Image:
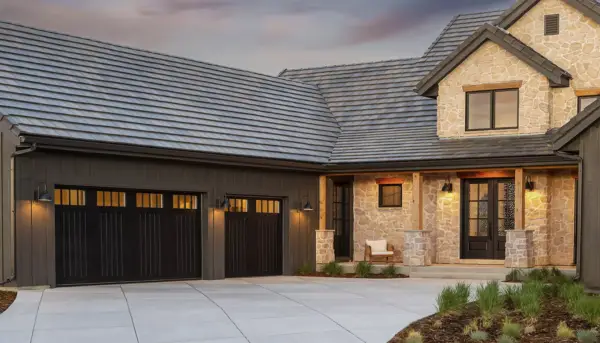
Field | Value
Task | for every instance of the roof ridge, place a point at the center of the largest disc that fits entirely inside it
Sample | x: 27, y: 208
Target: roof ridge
x: 440, y: 35
x: 482, y: 12
x: 135, y: 50
x: 282, y: 73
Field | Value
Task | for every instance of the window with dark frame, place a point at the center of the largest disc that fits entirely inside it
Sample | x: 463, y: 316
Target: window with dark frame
x: 585, y: 101
x: 69, y: 197
x: 492, y: 110
x: 390, y: 195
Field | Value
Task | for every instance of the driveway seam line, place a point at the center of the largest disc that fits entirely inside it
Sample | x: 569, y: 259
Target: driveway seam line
x: 36, y: 316
x: 130, y: 315
x: 225, y: 312
x: 312, y: 309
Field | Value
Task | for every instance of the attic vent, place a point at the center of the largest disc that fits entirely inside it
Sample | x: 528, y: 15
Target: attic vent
x: 551, y: 24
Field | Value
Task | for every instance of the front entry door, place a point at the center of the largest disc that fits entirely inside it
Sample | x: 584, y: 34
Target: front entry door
x: 488, y: 211
x: 342, y: 220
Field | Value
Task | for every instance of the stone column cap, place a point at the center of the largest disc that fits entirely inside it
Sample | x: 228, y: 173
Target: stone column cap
x: 319, y: 230
x: 417, y: 230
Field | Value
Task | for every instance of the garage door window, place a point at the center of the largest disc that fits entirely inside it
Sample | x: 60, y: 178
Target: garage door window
x: 148, y: 200
x: 69, y: 197
x: 237, y: 205
x: 267, y: 206
x: 185, y: 201
x: 110, y: 199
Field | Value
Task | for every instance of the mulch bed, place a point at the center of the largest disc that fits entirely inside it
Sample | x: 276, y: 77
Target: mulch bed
x: 353, y: 275
x: 451, y: 331
x: 6, y: 299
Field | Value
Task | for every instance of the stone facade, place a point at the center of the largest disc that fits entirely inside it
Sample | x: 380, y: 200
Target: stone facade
x: 576, y: 49
x: 519, y: 249
x: 324, y: 246
x: 537, y: 213
x: 442, y: 217
x: 417, y: 248
x: 373, y: 222
x: 562, y: 219
x: 492, y: 64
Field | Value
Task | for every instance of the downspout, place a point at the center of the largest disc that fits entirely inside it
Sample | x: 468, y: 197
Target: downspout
x: 579, y: 205
x: 21, y: 152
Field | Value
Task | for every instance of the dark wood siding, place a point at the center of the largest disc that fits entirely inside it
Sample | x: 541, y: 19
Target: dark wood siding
x: 8, y: 143
x: 590, y: 207
x: 35, y: 221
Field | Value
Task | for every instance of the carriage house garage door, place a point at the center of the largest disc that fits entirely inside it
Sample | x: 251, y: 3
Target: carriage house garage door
x: 112, y: 235
x: 253, y: 237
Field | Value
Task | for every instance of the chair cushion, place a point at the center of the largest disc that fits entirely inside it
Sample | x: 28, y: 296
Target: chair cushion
x: 377, y: 246
x: 383, y: 253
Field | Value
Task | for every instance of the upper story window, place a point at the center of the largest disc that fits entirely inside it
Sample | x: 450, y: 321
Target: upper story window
x: 493, y: 110
x: 390, y: 195
x: 551, y: 24
x: 585, y: 101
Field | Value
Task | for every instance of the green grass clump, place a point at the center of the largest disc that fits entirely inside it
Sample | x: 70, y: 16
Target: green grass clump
x: 305, y: 269
x: 516, y: 274
x: 332, y: 269
x: 414, y: 337
x: 563, y: 331
x: 479, y: 336
x: 489, y: 299
x: 453, y: 299
x: 506, y: 339
x: 588, y: 308
x: 571, y: 293
x: 587, y: 336
x: 390, y: 271
x: 542, y: 275
x: 511, y: 294
x: 528, y: 300
x: 363, y: 269
x: 511, y: 329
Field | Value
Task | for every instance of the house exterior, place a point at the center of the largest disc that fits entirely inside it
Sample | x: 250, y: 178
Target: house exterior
x: 160, y: 167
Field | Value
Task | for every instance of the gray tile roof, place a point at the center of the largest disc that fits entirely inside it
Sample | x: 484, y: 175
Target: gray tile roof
x: 383, y: 119
x: 62, y: 86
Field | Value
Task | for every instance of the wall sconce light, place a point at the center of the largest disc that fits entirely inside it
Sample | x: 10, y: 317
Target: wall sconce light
x: 529, y: 185
x: 447, y: 187
x: 42, y: 195
x: 223, y: 204
x: 307, y: 206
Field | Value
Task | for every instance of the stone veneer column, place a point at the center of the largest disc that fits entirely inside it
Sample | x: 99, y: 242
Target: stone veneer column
x: 417, y: 248
x: 324, y: 246
x: 519, y: 249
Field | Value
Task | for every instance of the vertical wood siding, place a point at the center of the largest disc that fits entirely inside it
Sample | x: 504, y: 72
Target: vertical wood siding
x: 35, y: 221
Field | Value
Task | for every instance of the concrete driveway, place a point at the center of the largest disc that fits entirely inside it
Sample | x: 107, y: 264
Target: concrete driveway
x: 265, y: 310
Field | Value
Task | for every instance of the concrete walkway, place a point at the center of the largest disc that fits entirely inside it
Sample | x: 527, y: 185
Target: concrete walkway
x: 257, y: 310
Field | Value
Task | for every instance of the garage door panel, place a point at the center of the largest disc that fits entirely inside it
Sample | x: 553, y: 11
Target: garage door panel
x: 71, y: 244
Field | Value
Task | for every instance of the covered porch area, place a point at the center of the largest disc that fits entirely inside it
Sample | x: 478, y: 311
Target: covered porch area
x: 496, y: 218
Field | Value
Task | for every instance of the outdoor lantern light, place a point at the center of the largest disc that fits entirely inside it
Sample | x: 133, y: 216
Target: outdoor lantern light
x: 447, y: 186
x: 529, y: 185
x: 225, y: 203
x: 307, y: 206
x: 43, y: 195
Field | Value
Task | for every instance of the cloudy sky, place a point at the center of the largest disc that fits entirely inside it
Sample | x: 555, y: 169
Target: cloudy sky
x: 260, y: 35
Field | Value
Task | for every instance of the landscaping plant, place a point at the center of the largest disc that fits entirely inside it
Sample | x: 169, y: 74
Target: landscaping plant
x: 563, y: 331
x: 511, y: 294
x: 515, y: 275
x: 571, y: 293
x: 390, y: 271
x: 479, y: 336
x: 588, y: 308
x: 529, y: 329
x: 453, y: 299
x: 414, y: 337
x: 489, y: 299
x: 332, y: 269
x: 511, y: 329
x: 529, y: 299
x: 363, y: 269
x: 463, y: 292
x: 506, y: 339
x: 587, y: 336
x: 305, y: 269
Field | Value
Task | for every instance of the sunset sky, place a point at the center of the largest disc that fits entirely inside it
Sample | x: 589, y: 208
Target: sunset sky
x: 260, y: 35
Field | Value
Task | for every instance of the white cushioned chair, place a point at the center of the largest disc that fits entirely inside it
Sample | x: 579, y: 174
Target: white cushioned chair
x: 378, y: 248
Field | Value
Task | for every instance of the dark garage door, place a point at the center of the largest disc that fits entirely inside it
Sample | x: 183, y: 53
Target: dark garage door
x: 253, y: 237
x: 108, y: 235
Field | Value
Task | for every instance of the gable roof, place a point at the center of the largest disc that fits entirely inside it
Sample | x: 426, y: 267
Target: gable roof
x: 578, y: 124
x: 589, y: 8
x: 57, y: 85
x: 557, y: 76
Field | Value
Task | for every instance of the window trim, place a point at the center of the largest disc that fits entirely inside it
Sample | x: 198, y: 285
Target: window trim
x: 492, y: 93
x: 597, y: 96
x: 380, y: 195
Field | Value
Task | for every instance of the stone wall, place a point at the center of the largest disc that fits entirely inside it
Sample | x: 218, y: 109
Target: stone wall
x: 537, y: 216
x: 373, y: 222
x: 492, y: 64
x: 442, y: 218
x: 417, y: 248
x: 562, y: 219
x: 519, y: 249
x: 576, y: 49
x: 324, y: 246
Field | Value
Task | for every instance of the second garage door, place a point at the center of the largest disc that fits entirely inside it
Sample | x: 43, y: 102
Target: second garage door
x: 111, y: 235
x: 253, y: 237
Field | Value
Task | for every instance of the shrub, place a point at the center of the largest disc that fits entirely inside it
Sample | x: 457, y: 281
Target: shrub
x: 332, y: 269
x: 511, y: 294
x: 390, y: 271
x: 471, y: 327
x: 488, y: 298
x: 528, y: 299
x: 453, y: 299
x: 463, y: 292
x: 506, y: 339
x: 563, y: 331
x: 588, y: 308
x: 587, y: 336
x: 305, y: 269
x: 516, y: 274
x: 414, y: 337
x: 511, y: 329
x: 479, y: 336
x: 571, y: 293
x: 363, y: 269
x: 487, y: 321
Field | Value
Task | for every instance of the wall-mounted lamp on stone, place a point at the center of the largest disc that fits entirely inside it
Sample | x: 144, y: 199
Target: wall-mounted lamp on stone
x: 447, y: 186
x: 529, y: 185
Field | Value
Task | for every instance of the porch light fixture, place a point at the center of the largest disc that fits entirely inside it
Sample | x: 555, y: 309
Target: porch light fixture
x: 307, y: 206
x: 224, y: 204
x: 447, y: 187
x: 42, y: 195
x: 529, y: 185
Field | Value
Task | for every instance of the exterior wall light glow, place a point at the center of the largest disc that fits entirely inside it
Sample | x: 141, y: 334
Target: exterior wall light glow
x: 529, y: 185
x: 307, y: 206
x: 447, y: 186
x: 42, y: 195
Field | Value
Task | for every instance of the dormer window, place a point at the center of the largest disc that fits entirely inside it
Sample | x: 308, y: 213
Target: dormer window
x: 492, y: 110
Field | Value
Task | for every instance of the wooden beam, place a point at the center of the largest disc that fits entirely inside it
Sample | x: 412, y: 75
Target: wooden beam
x: 390, y: 181
x: 492, y: 86
x: 486, y: 174
x: 417, y: 202
x: 587, y: 91
x: 519, y: 199
x: 442, y: 171
x: 322, y: 202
